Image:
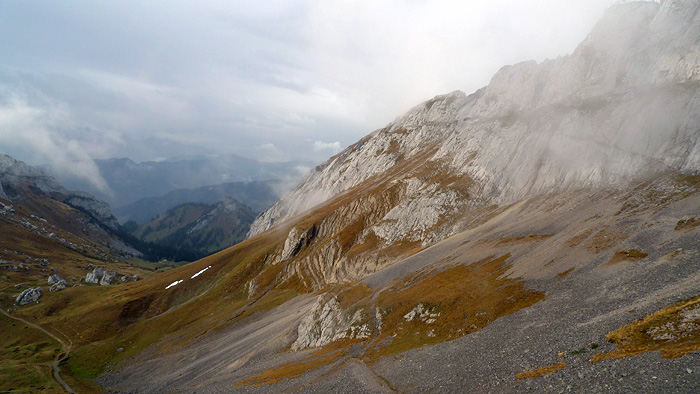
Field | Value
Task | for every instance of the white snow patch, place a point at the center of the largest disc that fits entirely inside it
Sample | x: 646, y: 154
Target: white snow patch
x: 177, y: 282
x: 200, y: 272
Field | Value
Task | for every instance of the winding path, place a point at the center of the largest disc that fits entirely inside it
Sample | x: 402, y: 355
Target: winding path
x: 62, y: 356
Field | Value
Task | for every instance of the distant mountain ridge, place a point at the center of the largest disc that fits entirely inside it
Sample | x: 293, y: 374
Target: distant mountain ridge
x: 74, y: 212
x: 258, y: 195
x: 18, y: 180
x: 130, y: 181
x: 199, y: 228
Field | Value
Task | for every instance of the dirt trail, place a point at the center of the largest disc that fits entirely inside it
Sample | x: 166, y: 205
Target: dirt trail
x: 62, y: 356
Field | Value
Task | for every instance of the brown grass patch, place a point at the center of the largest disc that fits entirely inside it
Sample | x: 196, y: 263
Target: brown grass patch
x: 536, y: 373
x: 351, y: 295
x: 605, y: 239
x: 673, y: 331
x: 576, y: 240
x: 625, y: 256
x: 320, y: 358
x: 687, y: 224
x: 461, y: 300
x: 565, y: 273
x: 371, y: 243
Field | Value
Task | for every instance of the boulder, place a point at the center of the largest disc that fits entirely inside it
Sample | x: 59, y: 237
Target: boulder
x: 95, y: 276
x: 28, y: 296
x: 53, y: 279
x: 60, y: 285
x: 108, y: 278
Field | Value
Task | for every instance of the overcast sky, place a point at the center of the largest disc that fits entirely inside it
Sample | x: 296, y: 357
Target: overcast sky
x: 271, y: 80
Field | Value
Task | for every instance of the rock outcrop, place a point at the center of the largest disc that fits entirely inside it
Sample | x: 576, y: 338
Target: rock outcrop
x: 60, y: 285
x: 28, y: 296
x: 108, y: 278
x: 328, y: 322
x: 623, y: 105
x: 101, y: 276
x: 56, y: 283
x: 95, y: 276
x: 295, y: 242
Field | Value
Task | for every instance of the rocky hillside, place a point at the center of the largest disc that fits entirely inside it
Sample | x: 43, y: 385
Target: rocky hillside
x: 559, y: 125
x: 538, y: 235
x: 199, y: 228
x: 623, y: 106
x: 40, y: 193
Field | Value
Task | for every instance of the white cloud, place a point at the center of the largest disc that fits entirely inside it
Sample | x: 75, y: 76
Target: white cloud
x: 332, y: 146
x: 232, y: 76
x: 270, y: 152
x: 26, y: 127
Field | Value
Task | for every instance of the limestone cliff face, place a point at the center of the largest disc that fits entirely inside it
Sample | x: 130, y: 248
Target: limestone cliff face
x: 625, y: 103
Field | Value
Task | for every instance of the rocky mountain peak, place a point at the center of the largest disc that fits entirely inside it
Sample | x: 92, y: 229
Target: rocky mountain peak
x: 15, y: 175
x: 624, y: 105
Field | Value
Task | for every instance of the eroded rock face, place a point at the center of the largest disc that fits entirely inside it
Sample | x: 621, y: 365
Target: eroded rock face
x: 625, y: 104
x: 295, y: 242
x: 28, y: 296
x: 101, y: 276
x: 108, y: 278
x: 328, y: 322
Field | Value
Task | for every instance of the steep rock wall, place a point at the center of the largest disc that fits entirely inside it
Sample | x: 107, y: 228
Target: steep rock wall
x: 625, y: 103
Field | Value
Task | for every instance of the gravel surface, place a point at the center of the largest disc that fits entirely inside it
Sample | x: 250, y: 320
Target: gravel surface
x: 578, y: 311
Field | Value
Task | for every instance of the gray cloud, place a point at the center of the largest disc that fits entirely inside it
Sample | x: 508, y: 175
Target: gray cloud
x: 35, y: 130
x: 231, y: 77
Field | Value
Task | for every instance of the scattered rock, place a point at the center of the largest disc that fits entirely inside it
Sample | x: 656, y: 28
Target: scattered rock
x: 101, y: 276
x: 60, y: 285
x: 28, y: 296
x: 108, y: 278
x: 421, y: 313
x: 95, y: 276
x: 53, y: 279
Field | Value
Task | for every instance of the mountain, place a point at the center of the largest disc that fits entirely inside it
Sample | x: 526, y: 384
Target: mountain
x: 41, y: 195
x: 258, y: 195
x: 199, y: 228
x: 129, y: 181
x: 536, y: 128
x: 540, y: 234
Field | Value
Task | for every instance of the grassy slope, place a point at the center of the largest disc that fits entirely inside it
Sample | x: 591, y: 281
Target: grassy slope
x: 27, y: 353
x: 101, y: 320
x: 134, y: 316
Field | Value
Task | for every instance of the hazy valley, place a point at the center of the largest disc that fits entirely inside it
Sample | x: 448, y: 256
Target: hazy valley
x: 540, y: 234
